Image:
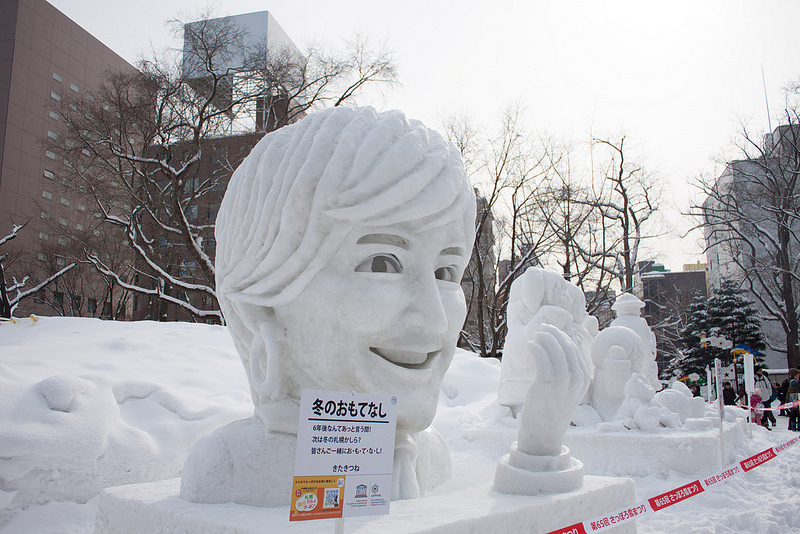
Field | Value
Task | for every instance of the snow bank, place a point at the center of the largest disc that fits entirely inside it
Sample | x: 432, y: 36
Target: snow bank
x: 89, y: 404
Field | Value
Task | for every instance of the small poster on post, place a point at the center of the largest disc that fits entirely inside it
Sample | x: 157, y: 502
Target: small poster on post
x: 345, y: 449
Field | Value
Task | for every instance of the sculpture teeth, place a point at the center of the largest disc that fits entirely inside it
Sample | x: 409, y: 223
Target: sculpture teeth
x: 404, y: 358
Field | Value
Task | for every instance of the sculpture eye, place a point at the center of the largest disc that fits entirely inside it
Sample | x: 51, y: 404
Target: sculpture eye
x: 447, y: 274
x: 380, y: 263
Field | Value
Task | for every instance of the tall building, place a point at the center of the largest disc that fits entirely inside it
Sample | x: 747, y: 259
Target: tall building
x: 44, y: 56
x: 53, y: 63
x: 249, y: 101
x: 752, y: 220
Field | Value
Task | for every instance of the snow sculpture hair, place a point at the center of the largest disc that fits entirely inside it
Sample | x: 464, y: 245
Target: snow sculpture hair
x: 293, y: 200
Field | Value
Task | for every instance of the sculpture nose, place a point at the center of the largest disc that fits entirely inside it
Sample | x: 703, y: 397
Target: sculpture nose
x: 426, y: 308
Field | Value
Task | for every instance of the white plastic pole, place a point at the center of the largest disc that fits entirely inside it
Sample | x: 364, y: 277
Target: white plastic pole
x: 749, y: 384
x: 339, y: 526
x: 717, y: 371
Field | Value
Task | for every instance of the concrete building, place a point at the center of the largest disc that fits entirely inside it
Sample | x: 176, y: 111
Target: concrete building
x: 747, y: 238
x: 44, y: 56
x: 667, y: 296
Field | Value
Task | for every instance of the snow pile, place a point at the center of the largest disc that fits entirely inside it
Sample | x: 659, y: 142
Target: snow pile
x: 86, y: 404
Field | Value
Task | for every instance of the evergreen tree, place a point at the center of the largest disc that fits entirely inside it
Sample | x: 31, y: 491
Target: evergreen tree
x: 735, y: 317
x: 727, y: 314
x: 694, y: 356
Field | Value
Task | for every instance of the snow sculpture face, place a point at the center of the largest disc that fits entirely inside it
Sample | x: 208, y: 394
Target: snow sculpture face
x: 340, y: 247
x: 387, y: 310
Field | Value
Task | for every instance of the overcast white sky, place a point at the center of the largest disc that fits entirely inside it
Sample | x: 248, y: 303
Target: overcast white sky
x: 677, y: 77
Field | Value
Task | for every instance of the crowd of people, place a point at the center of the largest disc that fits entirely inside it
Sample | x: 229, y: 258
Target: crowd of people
x: 764, y: 394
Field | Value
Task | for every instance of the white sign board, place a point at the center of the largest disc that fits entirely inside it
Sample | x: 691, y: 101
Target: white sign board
x: 345, y: 448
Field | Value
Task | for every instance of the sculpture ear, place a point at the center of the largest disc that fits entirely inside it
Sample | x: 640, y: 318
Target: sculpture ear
x: 252, y: 330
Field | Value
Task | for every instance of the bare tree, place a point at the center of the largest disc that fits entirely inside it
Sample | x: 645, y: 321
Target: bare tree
x: 13, y: 293
x: 751, y: 219
x: 507, y: 171
x: 152, y: 150
x: 582, y: 243
x: 626, y: 202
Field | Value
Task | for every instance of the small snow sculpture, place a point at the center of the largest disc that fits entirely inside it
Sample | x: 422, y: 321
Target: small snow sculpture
x: 623, y: 350
x: 548, y: 326
x: 341, y: 243
x: 628, y: 309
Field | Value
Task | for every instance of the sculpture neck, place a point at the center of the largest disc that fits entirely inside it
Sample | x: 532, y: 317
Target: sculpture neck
x: 279, y: 416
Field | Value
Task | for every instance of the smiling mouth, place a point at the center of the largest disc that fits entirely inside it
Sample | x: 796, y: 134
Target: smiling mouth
x: 406, y: 358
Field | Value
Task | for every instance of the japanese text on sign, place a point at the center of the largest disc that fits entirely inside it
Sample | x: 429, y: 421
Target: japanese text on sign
x: 351, y: 436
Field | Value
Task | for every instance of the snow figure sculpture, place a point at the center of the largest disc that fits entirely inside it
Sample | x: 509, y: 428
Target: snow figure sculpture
x: 545, y: 374
x: 341, y: 242
x: 628, y: 309
x: 625, y: 374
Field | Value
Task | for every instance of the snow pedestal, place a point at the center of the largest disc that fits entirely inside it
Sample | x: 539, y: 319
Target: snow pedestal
x: 632, y: 453
x: 155, y: 507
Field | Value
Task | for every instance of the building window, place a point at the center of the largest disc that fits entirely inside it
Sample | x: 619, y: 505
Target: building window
x: 47, y: 194
x: 51, y: 134
x: 53, y: 115
x: 89, y: 97
x: 58, y: 299
x: 57, y: 77
x: 63, y: 221
x: 38, y: 297
x: 79, y: 227
x: 48, y: 174
x: 45, y: 215
x: 74, y: 87
x: 55, y: 96
x: 91, y: 305
x: 50, y: 154
x: 44, y: 236
x: 61, y: 261
x: 65, y: 201
x: 76, y: 303
x: 81, y: 207
x: 62, y: 241
x: 42, y: 256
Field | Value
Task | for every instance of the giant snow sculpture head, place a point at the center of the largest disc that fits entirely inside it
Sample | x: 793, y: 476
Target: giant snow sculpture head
x: 341, y: 242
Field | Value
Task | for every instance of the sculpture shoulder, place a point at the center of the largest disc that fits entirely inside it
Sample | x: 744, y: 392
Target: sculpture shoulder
x: 240, y: 462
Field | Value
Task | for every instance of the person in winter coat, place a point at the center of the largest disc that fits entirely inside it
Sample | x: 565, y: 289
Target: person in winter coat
x: 763, y: 388
x: 728, y: 394
x: 782, y: 396
x: 793, y: 394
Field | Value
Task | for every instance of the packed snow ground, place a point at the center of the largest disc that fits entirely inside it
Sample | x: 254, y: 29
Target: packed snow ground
x: 86, y: 404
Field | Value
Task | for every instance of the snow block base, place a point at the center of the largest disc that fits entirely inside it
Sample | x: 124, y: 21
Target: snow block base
x: 155, y: 508
x: 647, y: 453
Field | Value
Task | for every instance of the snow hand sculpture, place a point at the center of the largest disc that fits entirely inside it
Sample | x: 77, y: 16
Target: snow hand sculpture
x: 341, y: 242
x: 539, y: 297
x: 538, y: 463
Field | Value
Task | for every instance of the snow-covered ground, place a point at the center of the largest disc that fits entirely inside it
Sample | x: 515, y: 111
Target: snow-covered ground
x: 86, y: 404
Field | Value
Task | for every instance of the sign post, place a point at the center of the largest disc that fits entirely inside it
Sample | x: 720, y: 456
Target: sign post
x: 718, y: 375
x: 345, y: 448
